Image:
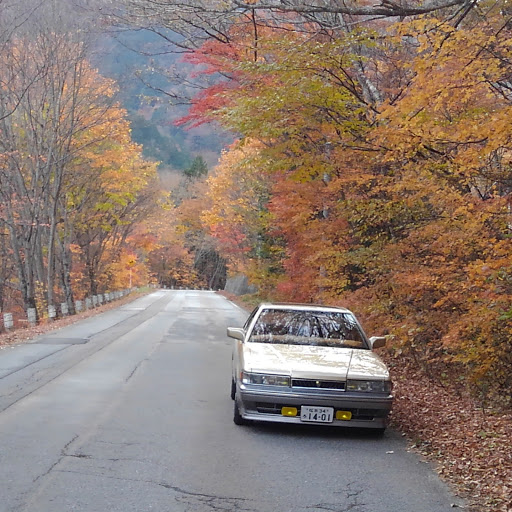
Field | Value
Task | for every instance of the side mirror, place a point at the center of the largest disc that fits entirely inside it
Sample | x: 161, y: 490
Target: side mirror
x: 378, y: 341
x: 236, y: 332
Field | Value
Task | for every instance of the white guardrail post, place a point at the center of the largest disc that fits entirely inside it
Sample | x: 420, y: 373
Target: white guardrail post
x: 80, y: 305
x: 8, y: 321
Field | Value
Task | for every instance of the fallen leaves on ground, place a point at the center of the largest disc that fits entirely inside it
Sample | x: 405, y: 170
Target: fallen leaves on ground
x: 470, y: 445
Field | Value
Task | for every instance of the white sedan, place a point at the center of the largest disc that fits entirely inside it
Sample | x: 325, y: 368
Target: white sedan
x: 302, y: 363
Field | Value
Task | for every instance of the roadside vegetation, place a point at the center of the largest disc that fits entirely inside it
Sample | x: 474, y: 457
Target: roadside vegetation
x: 82, y: 211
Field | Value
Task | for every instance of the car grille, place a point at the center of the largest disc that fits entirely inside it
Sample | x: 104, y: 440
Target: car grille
x: 318, y: 384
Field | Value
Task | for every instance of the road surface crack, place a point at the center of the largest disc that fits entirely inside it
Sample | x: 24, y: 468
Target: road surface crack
x: 62, y: 455
x: 218, y: 503
x: 350, y: 502
x: 193, y: 499
x: 137, y: 366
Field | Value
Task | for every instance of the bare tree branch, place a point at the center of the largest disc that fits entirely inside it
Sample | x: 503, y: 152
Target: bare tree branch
x: 385, y: 8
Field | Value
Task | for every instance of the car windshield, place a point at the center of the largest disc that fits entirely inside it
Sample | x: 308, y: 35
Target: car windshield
x: 313, y: 328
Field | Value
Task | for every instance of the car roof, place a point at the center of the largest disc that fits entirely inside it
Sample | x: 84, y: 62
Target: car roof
x: 290, y: 306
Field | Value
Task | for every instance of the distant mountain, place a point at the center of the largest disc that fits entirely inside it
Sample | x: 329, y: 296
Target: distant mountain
x: 134, y: 58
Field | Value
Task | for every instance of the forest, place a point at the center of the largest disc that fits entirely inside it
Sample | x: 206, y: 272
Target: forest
x: 82, y: 210
x: 134, y: 59
x: 371, y: 165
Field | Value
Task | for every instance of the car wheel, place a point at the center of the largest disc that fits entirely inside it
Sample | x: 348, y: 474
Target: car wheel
x: 233, y: 389
x: 237, y: 418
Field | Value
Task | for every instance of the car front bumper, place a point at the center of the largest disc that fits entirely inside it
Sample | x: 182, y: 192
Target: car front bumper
x: 264, y: 403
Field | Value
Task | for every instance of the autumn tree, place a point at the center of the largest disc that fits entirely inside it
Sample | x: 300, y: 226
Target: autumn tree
x: 209, y: 266
x: 56, y: 112
x: 113, y: 190
x: 237, y: 215
x: 450, y: 131
x: 171, y: 262
x: 301, y: 102
x: 44, y: 75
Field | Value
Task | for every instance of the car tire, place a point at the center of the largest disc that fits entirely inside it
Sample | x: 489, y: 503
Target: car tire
x: 233, y: 389
x: 237, y: 418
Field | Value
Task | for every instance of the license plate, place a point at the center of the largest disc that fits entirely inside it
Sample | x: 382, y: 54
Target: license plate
x: 317, y: 414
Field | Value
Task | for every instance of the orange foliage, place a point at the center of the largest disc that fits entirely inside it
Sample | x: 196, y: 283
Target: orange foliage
x: 236, y: 213
x: 396, y: 204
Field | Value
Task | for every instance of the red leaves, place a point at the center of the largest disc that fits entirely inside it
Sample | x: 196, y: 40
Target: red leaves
x: 206, y: 104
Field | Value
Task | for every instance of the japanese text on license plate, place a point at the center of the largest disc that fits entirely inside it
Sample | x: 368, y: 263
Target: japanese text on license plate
x: 316, y: 414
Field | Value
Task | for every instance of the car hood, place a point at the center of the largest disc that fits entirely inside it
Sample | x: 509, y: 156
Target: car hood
x: 299, y: 361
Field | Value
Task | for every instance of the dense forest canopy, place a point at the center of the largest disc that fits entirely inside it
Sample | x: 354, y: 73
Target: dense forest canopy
x: 77, y: 195
x: 366, y: 162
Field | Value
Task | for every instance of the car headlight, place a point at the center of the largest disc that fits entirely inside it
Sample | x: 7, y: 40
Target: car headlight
x: 369, y: 386
x: 264, y: 379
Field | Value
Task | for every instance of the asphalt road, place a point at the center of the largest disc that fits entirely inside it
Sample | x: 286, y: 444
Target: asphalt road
x: 130, y: 411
